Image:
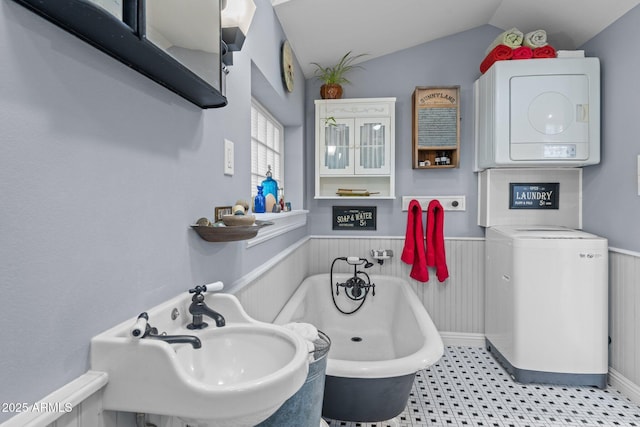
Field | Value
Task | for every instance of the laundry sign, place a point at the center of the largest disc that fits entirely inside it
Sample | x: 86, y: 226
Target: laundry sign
x: 534, y: 195
x: 354, y: 217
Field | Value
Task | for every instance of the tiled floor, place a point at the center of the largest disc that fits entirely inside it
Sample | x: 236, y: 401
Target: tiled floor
x: 467, y: 387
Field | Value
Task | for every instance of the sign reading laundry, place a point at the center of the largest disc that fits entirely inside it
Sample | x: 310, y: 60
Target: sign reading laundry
x: 534, y: 195
x: 354, y: 217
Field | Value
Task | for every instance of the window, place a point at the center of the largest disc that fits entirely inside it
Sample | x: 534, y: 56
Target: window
x: 266, y: 147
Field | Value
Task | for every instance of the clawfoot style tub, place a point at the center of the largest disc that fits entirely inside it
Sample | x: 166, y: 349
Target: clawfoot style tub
x: 375, y: 352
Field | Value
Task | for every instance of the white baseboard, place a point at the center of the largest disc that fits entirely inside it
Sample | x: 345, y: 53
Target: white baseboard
x: 624, y: 386
x: 462, y: 339
x: 62, y: 402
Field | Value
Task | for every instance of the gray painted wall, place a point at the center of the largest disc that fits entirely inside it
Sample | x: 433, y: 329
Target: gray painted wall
x: 610, y: 189
x: 101, y: 172
x: 449, y: 61
x: 611, y: 201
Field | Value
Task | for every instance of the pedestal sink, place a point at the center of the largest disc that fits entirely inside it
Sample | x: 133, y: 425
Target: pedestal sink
x: 241, y: 375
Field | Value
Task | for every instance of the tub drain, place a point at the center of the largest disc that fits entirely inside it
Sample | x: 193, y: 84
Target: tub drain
x: 356, y: 339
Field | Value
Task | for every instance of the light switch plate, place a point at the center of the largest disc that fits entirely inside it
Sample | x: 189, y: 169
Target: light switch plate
x: 228, y: 157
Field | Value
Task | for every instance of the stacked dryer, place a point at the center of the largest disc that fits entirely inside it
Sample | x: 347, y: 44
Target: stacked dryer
x: 537, y: 123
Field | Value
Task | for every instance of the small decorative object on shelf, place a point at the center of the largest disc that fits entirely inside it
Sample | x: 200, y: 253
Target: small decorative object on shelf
x: 281, y: 202
x: 259, y: 204
x: 238, y: 210
x: 220, y: 211
x: 203, y: 221
x: 443, y: 158
x: 236, y: 220
x: 270, y: 185
x: 348, y: 192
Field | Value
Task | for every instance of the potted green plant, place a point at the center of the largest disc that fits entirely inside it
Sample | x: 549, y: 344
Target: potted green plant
x: 334, y: 77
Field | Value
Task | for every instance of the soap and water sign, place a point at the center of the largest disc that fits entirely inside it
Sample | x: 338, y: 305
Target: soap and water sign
x: 534, y: 195
x: 354, y: 218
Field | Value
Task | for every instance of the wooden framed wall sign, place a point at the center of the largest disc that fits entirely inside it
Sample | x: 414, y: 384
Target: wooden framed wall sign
x: 436, y: 127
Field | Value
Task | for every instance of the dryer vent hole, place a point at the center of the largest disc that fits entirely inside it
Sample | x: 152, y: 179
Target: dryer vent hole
x: 356, y: 339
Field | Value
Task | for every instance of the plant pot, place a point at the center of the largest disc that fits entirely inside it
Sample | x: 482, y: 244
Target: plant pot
x: 331, y: 91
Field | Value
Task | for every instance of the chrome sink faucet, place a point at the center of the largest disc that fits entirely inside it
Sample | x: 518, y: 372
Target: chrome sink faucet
x: 198, y: 308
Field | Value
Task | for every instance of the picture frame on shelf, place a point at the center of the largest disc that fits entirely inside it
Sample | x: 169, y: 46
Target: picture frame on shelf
x: 220, y: 211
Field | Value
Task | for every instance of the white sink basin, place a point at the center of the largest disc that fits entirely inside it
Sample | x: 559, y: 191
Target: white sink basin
x: 241, y: 375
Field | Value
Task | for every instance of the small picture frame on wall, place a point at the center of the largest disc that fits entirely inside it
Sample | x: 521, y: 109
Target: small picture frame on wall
x: 220, y: 211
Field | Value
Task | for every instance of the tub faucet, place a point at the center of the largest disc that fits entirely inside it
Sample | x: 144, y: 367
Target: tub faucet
x: 198, y: 308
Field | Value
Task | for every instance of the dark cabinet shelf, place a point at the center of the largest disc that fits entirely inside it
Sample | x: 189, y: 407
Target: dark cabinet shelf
x: 128, y: 45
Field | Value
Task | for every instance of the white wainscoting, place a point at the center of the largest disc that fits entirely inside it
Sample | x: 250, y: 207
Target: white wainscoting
x: 624, y: 319
x: 77, y: 404
x: 267, y: 292
x: 456, y: 306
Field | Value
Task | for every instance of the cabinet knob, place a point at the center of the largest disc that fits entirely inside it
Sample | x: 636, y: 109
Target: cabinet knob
x: 454, y: 203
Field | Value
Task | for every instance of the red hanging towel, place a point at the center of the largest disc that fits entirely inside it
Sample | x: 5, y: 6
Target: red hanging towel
x: 413, y: 251
x: 435, y: 255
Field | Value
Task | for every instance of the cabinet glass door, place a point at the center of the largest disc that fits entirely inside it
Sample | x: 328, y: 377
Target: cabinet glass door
x: 373, y: 151
x: 336, y: 147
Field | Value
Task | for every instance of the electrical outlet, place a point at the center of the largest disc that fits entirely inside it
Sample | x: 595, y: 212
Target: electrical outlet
x: 449, y: 203
x: 228, y: 157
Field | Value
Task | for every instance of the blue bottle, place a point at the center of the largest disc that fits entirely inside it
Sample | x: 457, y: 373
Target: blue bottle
x: 259, y: 201
x: 270, y: 185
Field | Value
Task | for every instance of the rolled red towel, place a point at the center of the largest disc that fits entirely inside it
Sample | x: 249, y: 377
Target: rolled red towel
x: 522, y: 52
x: 498, y: 53
x: 544, y: 52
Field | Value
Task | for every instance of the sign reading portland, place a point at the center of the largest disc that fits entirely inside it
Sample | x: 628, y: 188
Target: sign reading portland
x: 534, y: 195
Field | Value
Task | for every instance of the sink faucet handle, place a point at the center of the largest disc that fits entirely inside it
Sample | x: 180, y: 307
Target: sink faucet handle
x: 215, y: 286
x: 139, y: 328
x: 211, y: 287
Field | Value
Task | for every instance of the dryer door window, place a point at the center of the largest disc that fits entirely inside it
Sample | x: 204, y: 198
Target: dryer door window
x: 549, y: 117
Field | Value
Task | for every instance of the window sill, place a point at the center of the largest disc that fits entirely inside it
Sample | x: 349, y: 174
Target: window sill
x: 282, y: 223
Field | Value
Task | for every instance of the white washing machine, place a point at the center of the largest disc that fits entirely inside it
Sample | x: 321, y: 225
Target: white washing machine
x: 546, y: 303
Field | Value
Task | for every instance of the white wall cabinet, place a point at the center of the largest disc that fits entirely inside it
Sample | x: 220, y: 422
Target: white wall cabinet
x: 355, y: 147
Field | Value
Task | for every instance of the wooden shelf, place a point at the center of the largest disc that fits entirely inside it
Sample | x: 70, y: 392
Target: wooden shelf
x: 428, y: 155
x: 229, y: 234
x: 436, y: 127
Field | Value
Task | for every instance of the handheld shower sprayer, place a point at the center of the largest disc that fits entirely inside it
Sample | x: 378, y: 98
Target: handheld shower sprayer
x: 354, y: 260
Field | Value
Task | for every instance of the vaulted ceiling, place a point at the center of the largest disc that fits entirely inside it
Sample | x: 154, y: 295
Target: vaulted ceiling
x: 324, y: 30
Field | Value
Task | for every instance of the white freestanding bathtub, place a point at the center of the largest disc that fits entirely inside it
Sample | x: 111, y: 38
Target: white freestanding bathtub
x: 375, y: 352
